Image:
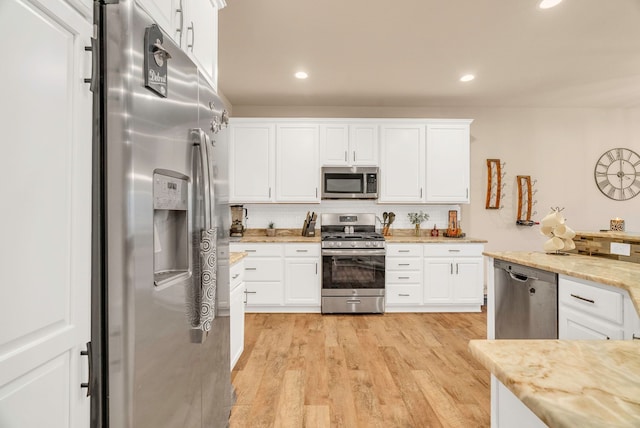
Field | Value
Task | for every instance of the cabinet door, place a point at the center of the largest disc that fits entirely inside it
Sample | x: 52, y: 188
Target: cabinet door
x: 236, y: 323
x: 46, y: 233
x: 363, y: 144
x: 574, y: 325
x: 201, y: 35
x: 438, y: 274
x: 468, y: 280
x: 334, y: 144
x: 447, y: 164
x: 167, y: 14
x: 298, y: 172
x: 263, y: 294
x: 401, y: 163
x: 302, y: 281
x: 251, y: 163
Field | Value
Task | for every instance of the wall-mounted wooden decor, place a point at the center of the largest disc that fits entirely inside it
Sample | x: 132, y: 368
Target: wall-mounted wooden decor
x: 494, y: 184
x: 525, y: 200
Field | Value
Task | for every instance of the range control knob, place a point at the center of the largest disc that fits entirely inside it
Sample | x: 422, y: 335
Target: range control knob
x: 367, y: 244
x: 353, y: 244
x: 339, y: 244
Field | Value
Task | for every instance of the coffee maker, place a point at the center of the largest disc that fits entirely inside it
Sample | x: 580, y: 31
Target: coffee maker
x: 237, y: 214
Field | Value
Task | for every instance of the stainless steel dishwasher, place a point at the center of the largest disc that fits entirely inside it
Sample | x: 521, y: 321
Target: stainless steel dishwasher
x: 526, y: 302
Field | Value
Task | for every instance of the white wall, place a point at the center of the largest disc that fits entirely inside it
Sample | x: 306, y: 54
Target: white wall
x: 556, y: 147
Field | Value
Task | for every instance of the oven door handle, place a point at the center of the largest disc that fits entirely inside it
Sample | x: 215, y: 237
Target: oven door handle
x: 353, y: 252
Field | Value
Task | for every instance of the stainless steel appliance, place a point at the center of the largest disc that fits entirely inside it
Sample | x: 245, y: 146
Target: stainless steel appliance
x: 160, y: 341
x: 526, y: 302
x: 349, y: 182
x: 238, y: 214
x: 353, y: 264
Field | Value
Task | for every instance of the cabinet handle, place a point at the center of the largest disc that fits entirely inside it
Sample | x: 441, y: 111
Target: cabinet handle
x: 316, y: 268
x: 301, y: 251
x: 250, y: 268
x: 403, y: 295
x: 421, y: 193
x: 451, y: 268
x: 92, y: 81
x: 353, y: 301
x: 454, y: 251
x: 467, y: 193
x: 269, y: 192
x: 88, y: 384
x: 456, y: 268
x: 235, y: 276
x: 403, y: 264
x: 193, y: 36
x: 634, y: 337
x: 249, y: 251
x: 345, y: 155
x: 583, y: 299
x: 316, y: 192
x: 403, y: 277
x: 250, y: 292
x: 403, y: 251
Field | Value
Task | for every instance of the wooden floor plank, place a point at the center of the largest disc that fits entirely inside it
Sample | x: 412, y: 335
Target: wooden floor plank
x: 391, y: 370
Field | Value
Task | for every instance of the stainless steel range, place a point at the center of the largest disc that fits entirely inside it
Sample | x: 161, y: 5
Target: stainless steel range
x: 353, y: 262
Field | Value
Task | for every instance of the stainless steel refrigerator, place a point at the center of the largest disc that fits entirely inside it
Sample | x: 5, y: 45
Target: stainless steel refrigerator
x: 160, y: 324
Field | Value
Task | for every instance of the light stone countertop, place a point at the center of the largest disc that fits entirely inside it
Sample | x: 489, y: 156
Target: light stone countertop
x: 569, y: 383
x: 432, y: 240
x: 624, y: 275
x: 235, y: 257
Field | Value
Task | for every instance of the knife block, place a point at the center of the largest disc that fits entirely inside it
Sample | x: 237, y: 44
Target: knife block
x: 311, y: 229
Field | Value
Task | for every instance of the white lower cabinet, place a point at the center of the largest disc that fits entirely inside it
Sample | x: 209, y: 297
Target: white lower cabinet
x: 403, y: 276
x: 302, y: 275
x: 262, y: 275
x: 281, y: 277
x: 236, y: 312
x: 589, y: 310
x: 428, y: 278
x: 507, y: 411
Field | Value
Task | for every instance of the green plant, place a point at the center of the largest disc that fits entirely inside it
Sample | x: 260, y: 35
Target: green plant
x: 417, y: 218
x: 271, y: 225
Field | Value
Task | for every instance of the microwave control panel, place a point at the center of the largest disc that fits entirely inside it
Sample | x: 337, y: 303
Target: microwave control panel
x: 372, y: 183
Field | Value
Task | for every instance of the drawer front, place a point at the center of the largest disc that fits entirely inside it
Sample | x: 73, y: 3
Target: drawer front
x: 237, y: 274
x: 590, y: 299
x: 404, y: 250
x: 258, y: 250
x: 264, y: 294
x: 402, y: 263
x: 404, y: 294
x: 262, y: 269
x: 302, y: 250
x: 453, y: 250
x: 407, y: 277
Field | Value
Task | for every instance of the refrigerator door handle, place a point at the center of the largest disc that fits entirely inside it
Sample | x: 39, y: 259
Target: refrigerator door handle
x: 204, y: 284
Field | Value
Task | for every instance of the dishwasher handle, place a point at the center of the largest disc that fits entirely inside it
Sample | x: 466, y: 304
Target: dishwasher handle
x: 520, y: 277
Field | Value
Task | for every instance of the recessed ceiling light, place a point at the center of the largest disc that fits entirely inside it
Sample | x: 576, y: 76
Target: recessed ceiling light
x: 301, y: 75
x: 467, y: 78
x: 547, y: 4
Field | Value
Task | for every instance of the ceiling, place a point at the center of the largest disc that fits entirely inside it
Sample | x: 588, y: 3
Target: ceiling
x: 582, y: 53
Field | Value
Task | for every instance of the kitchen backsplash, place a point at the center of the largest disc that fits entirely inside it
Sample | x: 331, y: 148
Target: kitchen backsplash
x: 293, y: 215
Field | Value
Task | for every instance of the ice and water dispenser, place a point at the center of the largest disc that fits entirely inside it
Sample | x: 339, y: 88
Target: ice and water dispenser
x: 170, y: 226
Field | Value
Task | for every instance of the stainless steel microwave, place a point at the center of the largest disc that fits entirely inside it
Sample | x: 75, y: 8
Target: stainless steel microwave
x: 346, y: 182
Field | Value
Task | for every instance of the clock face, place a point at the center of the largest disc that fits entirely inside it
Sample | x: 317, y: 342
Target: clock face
x: 617, y: 174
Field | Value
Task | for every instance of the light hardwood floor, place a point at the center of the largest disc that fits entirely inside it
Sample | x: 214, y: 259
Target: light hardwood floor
x: 391, y: 370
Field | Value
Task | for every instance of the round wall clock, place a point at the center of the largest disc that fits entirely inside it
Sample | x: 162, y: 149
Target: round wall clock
x: 617, y: 174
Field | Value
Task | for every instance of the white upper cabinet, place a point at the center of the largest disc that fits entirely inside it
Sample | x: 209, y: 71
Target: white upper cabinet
x: 193, y: 24
x: 298, y: 173
x: 401, y: 163
x: 447, y: 164
x: 252, y: 162
x: 349, y: 144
